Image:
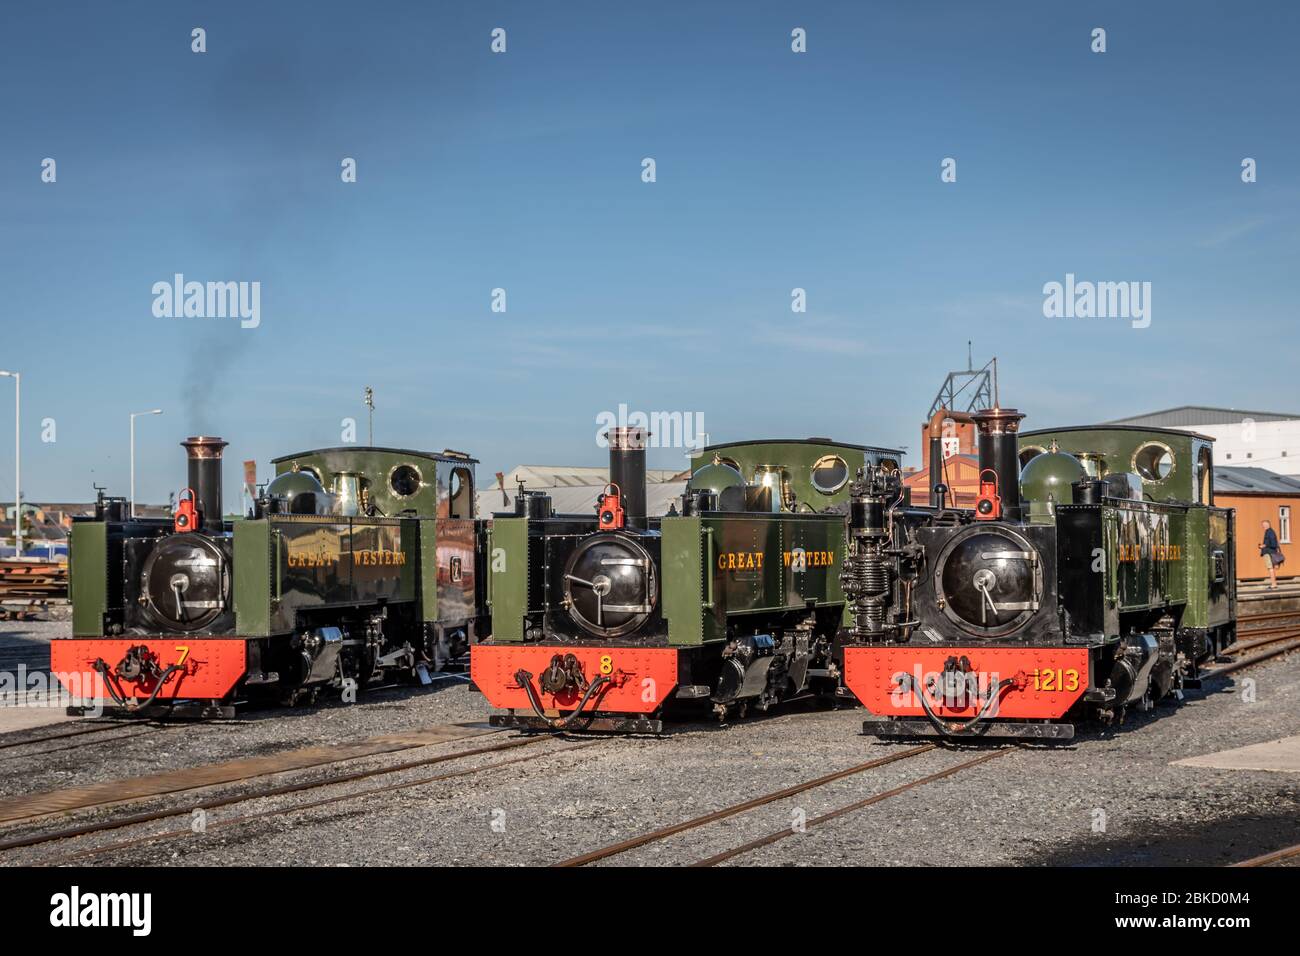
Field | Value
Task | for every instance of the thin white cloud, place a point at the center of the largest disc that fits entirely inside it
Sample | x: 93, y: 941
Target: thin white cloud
x: 1233, y: 232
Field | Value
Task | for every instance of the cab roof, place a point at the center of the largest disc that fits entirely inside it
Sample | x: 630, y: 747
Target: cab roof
x: 445, y: 455
x: 804, y: 441
x: 1143, y: 429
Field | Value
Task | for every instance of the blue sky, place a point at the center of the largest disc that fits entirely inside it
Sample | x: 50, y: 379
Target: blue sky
x: 522, y: 171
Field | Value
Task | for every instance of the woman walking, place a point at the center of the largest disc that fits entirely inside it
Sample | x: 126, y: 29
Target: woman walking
x: 1271, y: 551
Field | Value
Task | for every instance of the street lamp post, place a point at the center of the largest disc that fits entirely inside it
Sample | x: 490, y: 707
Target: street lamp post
x: 134, y: 415
x: 18, y: 462
x: 370, y: 404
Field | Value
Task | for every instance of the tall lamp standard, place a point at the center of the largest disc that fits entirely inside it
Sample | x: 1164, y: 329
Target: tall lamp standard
x: 370, y: 404
x: 134, y: 415
x: 18, y: 462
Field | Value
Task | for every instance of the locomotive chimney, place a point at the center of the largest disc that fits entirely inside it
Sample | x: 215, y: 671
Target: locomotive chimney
x: 936, y: 470
x: 204, y: 478
x: 627, y: 470
x: 997, y: 446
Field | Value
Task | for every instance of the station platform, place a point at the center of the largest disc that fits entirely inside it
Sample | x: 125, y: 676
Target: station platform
x: 1280, y: 756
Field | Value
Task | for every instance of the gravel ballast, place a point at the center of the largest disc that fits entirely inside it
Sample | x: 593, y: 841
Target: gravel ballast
x: 1106, y: 798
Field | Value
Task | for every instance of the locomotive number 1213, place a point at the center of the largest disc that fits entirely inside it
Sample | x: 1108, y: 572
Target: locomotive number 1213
x: 1048, y: 679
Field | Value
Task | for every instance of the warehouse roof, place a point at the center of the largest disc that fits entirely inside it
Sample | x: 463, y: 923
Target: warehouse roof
x: 575, y: 476
x: 1254, y: 481
x: 573, y: 488
x: 1184, y: 416
x: 802, y: 441
x: 579, y: 499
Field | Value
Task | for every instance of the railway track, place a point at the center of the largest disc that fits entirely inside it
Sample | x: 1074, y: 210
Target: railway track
x: 1280, y: 640
x: 1268, y: 859
x: 1263, y: 639
x: 848, y: 808
x: 1265, y: 643
x: 1268, y: 616
x: 69, y: 833
x: 78, y: 732
x: 1268, y: 631
x: 24, y: 809
x: 132, y: 733
x: 1276, y: 646
x: 46, y: 837
x: 242, y: 819
x: 80, y: 737
x: 664, y: 833
x: 1283, y: 641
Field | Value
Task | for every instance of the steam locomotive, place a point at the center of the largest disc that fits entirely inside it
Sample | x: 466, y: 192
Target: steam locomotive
x: 380, y: 577
x: 1097, y: 579
x: 609, y: 621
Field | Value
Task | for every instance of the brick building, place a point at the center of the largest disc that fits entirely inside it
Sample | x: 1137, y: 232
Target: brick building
x: 960, y: 463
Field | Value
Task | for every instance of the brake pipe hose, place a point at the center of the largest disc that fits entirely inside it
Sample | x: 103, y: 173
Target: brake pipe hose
x: 525, y: 680
x: 120, y: 698
x: 954, y: 728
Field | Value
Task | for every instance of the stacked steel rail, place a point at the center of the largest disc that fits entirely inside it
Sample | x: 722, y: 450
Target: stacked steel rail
x: 29, y: 588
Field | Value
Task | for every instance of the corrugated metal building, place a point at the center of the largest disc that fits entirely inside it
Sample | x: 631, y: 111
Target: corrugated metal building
x: 573, y: 489
x: 581, y: 499
x: 1241, y: 437
x: 1197, y: 416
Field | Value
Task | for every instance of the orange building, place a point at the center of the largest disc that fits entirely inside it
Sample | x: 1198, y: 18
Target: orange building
x: 1259, y: 495
x: 956, y: 434
x: 961, y: 473
x: 957, y: 442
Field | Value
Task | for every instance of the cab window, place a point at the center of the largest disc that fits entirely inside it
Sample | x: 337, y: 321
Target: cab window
x: 461, y: 494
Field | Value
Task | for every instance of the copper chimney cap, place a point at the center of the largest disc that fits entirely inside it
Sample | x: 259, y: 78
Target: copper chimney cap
x: 627, y: 439
x: 997, y: 421
x: 204, y: 446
